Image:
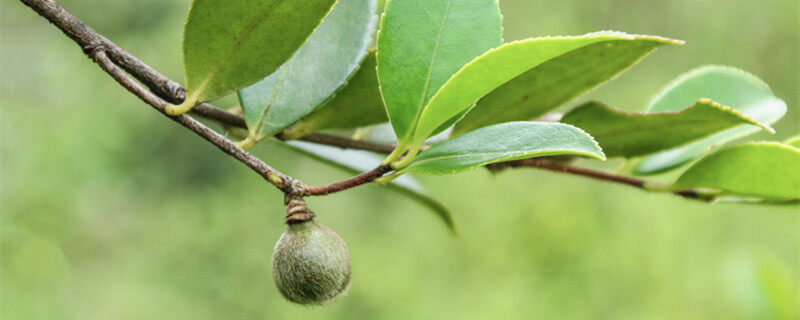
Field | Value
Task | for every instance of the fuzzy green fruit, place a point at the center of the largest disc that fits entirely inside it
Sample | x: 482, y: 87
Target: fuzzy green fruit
x: 310, y: 264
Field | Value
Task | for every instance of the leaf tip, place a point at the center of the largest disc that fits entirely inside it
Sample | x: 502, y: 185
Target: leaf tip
x: 675, y: 42
x: 598, y: 152
x: 739, y: 113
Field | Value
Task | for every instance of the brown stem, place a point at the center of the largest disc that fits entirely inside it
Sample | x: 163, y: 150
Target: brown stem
x: 353, y: 182
x: 553, y: 166
x: 345, y: 143
x: 585, y: 172
x: 208, y: 111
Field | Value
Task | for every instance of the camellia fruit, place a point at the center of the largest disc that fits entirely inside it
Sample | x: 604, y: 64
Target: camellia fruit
x: 310, y: 263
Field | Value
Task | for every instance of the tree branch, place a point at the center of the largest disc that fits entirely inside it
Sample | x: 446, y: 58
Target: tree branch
x: 116, y: 62
x: 159, y: 84
x: 86, y: 37
x: 353, y: 182
x: 275, y: 177
x: 345, y: 143
x: 589, y: 173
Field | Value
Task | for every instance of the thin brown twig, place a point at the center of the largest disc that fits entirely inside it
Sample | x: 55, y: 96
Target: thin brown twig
x: 345, y: 143
x: 554, y: 166
x: 224, y: 117
x: 585, y: 172
x: 358, y: 180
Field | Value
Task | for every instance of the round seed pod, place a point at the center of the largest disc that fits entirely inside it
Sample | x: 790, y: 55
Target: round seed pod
x: 310, y: 262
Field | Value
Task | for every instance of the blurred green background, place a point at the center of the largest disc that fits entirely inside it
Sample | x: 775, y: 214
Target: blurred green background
x: 110, y: 211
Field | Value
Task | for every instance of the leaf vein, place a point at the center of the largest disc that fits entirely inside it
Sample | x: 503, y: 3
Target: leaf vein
x: 425, y: 89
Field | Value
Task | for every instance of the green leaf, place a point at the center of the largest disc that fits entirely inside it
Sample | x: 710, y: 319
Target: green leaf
x: 319, y: 68
x: 766, y: 170
x: 725, y: 85
x: 630, y: 134
x: 793, y: 141
x: 358, y: 104
x: 355, y: 161
x: 505, y: 142
x: 498, y: 66
x: 422, y: 43
x: 228, y: 45
x: 558, y: 80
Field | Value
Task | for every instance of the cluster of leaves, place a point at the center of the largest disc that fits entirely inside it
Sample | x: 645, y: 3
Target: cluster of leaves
x: 440, y: 68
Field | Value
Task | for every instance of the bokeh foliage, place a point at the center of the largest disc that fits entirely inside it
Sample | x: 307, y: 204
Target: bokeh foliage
x: 99, y: 222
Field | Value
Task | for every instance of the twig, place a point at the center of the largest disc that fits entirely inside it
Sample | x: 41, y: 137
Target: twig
x: 346, y: 143
x: 210, y: 112
x: 599, y: 175
x: 353, y: 182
